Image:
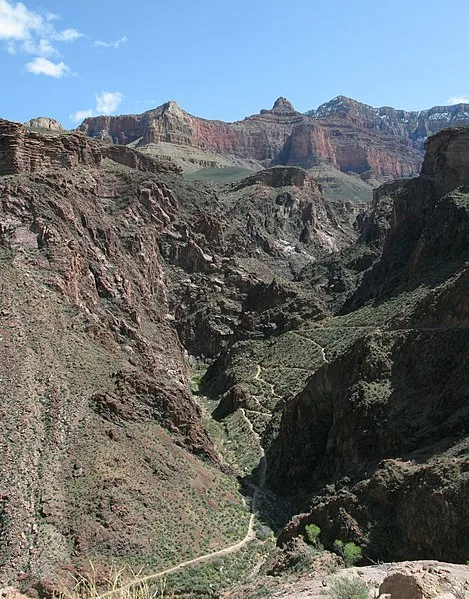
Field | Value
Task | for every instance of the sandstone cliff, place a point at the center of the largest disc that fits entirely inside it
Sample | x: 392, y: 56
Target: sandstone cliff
x: 277, y: 136
x: 375, y: 143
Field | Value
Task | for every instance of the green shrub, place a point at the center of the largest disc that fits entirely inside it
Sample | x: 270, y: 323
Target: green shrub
x: 312, y: 533
x: 350, y: 553
x: 345, y: 587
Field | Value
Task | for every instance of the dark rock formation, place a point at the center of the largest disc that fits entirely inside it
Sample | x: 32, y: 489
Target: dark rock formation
x: 400, y: 390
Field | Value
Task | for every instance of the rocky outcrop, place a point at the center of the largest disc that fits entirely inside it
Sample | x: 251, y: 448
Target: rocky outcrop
x: 423, y: 579
x: 280, y: 177
x: 44, y: 122
x: 25, y: 150
x: 446, y: 161
x: 422, y: 221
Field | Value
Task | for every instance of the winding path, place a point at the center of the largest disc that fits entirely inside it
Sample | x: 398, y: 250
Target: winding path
x: 272, y: 388
x: 250, y: 534
x: 320, y: 347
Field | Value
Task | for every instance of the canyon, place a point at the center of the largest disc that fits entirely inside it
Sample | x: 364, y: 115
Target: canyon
x: 193, y: 367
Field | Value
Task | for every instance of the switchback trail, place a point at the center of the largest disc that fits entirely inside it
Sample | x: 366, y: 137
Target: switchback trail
x: 272, y: 388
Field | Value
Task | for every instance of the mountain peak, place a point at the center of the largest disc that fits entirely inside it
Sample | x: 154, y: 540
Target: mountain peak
x: 282, y: 104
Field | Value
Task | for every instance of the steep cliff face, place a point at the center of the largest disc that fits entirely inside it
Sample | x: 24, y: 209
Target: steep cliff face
x: 399, y: 391
x: 413, y: 125
x: 102, y: 445
x: 26, y: 150
x: 277, y: 136
x: 376, y: 143
x: 427, y: 220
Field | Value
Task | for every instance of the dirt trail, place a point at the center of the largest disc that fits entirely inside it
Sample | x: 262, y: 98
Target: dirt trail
x: 321, y: 349
x: 272, y: 388
x: 250, y: 534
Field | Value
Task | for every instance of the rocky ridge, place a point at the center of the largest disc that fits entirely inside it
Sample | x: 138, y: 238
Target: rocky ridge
x: 277, y: 136
x: 415, y: 125
x: 375, y: 143
x: 44, y: 122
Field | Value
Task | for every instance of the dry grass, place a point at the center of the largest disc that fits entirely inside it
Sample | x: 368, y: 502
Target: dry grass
x: 120, y: 584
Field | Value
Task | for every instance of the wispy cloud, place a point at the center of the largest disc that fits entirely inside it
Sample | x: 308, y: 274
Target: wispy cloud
x: 68, y: 35
x: 44, y: 66
x: 24, y: 30
x: 114, y: 44
x: 42, y: 47
x: 81, y: 115
x: 458, y: 100
x: 106, y: 103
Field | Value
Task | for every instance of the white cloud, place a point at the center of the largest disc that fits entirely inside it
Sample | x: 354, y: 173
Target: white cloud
x: 81, y: 115
x: 51, y: 16
x: 67, y: 35
x: 24, y: 30
x: 17, y: 22
x: 458, y: 100
x: 114, y: 44
x: 43, y: 66
x: 106, y: 103
x: 42, y: 48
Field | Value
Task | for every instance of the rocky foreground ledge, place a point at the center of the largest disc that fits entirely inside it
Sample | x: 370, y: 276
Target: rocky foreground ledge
x: 425, y: 579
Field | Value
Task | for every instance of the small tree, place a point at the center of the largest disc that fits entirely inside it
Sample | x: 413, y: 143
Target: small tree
x: 312, y: 532
x: 350, y: 553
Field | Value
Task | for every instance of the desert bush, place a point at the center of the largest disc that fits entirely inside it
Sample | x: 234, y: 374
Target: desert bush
x: 346, y: 587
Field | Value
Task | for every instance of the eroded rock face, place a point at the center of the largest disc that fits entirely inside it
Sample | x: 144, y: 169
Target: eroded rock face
x: 446, y: 160
x: 277, y: 136
x: 93, y: 374
x: 413, y: 125
x: 44, y: 122
x: 373, y: 423
x: 25, y: 151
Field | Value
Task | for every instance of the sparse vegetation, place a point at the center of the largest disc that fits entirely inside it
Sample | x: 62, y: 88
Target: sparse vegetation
x: 348, y: 587
x: 312, y: 533
x: 118, y: 585
x: 349, y: 552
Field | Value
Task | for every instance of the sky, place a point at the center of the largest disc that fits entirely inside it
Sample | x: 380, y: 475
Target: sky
x: 226, y: 60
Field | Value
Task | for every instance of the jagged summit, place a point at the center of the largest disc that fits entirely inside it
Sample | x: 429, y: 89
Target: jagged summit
x: 283, y: 105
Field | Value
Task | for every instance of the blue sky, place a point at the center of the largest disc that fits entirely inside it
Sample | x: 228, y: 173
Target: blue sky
x: 226, y: 60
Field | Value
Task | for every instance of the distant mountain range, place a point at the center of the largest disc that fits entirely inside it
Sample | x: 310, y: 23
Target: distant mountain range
x: 374, y: 143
